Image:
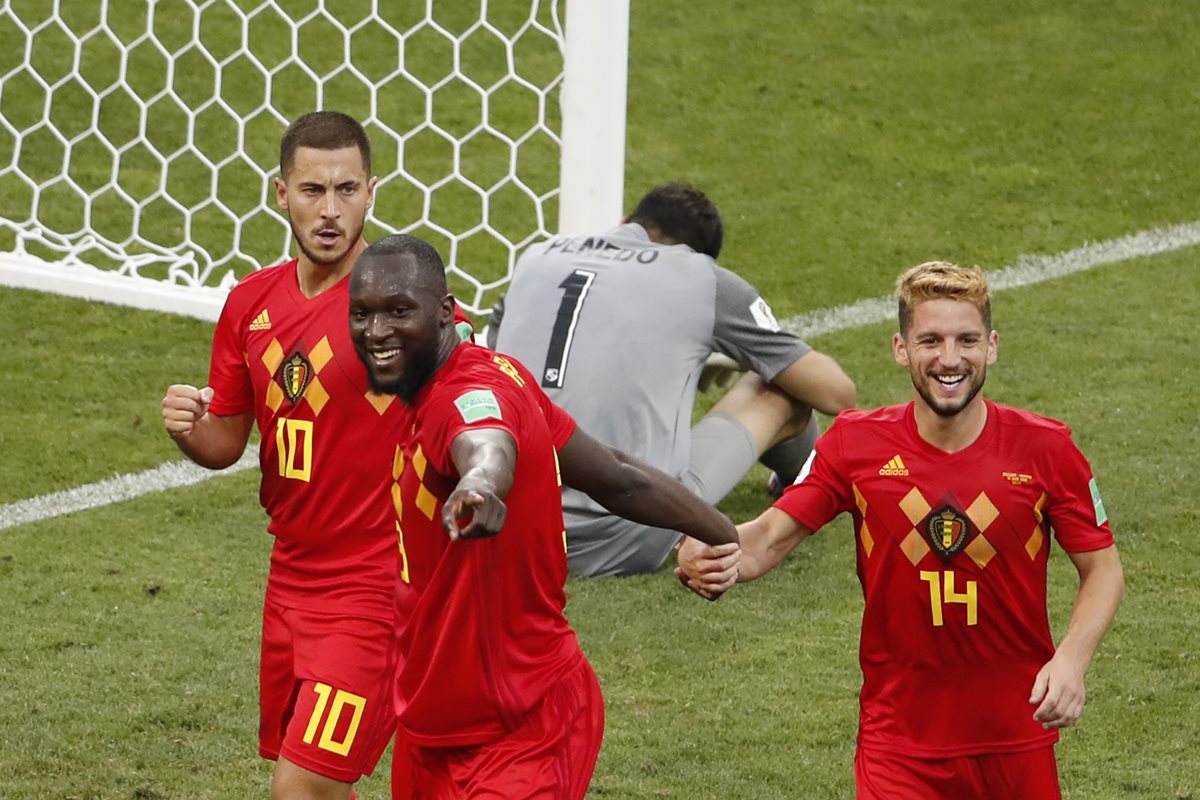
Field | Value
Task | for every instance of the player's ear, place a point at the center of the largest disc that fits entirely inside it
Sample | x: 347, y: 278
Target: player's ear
x: 371, y: 191
x: 993, y: 350
x: 899, y: 350
x: 281, y: 194
x: 446, y: 310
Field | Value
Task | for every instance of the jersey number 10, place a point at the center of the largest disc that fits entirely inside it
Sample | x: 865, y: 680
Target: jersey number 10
x: 294, y: 446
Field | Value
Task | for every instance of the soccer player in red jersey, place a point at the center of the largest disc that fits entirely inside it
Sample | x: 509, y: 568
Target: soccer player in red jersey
x: 282, y: 357
x: 495, y: 697
x: 954, y: 499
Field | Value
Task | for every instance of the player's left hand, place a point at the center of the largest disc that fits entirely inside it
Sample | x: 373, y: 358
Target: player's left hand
x: 471, y: 514
x: 1058, y: 692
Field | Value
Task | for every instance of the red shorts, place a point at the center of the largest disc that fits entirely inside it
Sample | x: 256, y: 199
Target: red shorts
x: 551, y: 755
x: 325, y: 691
x: 1029, y: 775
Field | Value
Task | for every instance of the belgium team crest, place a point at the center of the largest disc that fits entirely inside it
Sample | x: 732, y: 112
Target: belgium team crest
x: 947, y: 531
x: 294, y: 376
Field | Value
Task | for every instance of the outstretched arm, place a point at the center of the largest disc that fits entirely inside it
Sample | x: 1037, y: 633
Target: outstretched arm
x: 766, y: 541
x: 485, y: 459
x: 210, y: 440
x: 631, y: 488
x: 1058, y: 689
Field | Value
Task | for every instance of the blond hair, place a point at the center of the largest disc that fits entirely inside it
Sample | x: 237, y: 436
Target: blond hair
x: 941, y: 280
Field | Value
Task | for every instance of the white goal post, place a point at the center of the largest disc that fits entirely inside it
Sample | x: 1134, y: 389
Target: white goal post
x: 139, y: 138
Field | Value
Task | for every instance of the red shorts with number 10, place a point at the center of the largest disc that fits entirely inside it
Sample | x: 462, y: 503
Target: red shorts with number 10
x: 325, y: 691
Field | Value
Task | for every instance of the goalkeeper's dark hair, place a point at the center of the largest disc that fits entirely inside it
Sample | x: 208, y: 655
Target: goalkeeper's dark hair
x: 682, y: 214
x: 323, y: 130
x: 429, y: 267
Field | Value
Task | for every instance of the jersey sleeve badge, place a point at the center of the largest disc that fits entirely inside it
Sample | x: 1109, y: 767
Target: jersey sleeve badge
x: 764, y: 317
x: 477, y: 405
x: 1097, y: 503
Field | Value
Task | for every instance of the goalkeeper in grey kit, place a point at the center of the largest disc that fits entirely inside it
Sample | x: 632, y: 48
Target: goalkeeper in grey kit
x: 619, y: 326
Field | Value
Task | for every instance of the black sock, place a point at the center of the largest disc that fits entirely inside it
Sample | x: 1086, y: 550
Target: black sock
x: 787, y: 457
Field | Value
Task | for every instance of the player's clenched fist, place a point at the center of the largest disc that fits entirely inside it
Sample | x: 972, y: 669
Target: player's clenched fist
x: 183, y: 406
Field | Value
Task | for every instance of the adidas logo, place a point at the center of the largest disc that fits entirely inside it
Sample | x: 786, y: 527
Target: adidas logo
x: 262, y: 322
x: 894, y: 467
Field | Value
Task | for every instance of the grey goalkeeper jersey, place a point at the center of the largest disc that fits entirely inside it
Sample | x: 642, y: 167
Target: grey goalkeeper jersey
x: 618, y: 327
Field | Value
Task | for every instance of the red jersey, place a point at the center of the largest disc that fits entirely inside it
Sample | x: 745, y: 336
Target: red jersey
x: 952, y: 551
x: 482, y: 630
x: 326, y: 441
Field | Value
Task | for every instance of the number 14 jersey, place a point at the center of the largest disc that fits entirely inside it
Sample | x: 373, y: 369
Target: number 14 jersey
x: 952, y: 551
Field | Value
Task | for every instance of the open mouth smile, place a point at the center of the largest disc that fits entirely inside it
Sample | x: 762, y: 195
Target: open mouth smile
x: 382, y: 356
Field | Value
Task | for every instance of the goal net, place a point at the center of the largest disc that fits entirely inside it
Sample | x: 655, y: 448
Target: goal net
x: 139, y: 138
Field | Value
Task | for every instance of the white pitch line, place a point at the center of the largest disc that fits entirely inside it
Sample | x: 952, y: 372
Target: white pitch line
x: 1027, y: 271
x: 171, y: 475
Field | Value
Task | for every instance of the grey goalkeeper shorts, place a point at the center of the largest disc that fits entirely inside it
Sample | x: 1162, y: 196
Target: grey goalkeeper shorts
x: 723, y: 451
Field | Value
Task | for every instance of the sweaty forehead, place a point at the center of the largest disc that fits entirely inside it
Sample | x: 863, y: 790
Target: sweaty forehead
x: 313, y: 163
x: 947, y: 316
x: 388, y: 275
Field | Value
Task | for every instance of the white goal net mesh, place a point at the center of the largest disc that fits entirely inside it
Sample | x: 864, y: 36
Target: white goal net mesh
x: 140, y: 138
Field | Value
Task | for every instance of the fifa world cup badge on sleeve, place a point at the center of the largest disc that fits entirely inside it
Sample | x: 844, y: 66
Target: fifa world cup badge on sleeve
x: 764, y: 317
x: 1097, y: 503
x: 478, y: 405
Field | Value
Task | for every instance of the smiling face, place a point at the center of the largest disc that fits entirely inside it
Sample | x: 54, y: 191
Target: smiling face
x: 401, y: 322
x: 947, y: 349
x: 326, y: 194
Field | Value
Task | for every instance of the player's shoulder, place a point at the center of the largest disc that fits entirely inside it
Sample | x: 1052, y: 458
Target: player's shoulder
x: 267, y: 276
x: 858, y: 428
x: 481, y: 384
x: 249, y: 298
x: 1021, y: 418
x: 853, y: 418
x: 475, y: 365
x: 260, y: 283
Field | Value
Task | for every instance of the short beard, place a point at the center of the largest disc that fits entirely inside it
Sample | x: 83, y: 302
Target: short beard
x: 946, y: 413
x: 321, y: 258
x: 416, y: 374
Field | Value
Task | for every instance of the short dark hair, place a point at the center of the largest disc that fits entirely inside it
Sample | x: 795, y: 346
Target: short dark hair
x: 429, y: 264
x: 684, y: 215
x: 323, y: 130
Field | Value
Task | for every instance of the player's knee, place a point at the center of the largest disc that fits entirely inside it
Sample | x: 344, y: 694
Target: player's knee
x: 293, y: 782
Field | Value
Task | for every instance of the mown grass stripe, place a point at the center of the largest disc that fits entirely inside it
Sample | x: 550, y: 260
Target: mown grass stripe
x: 1027, y: 271
x: 171, y: 475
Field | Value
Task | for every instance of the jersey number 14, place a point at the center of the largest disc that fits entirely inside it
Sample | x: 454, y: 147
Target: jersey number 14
x: 943, y: 593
